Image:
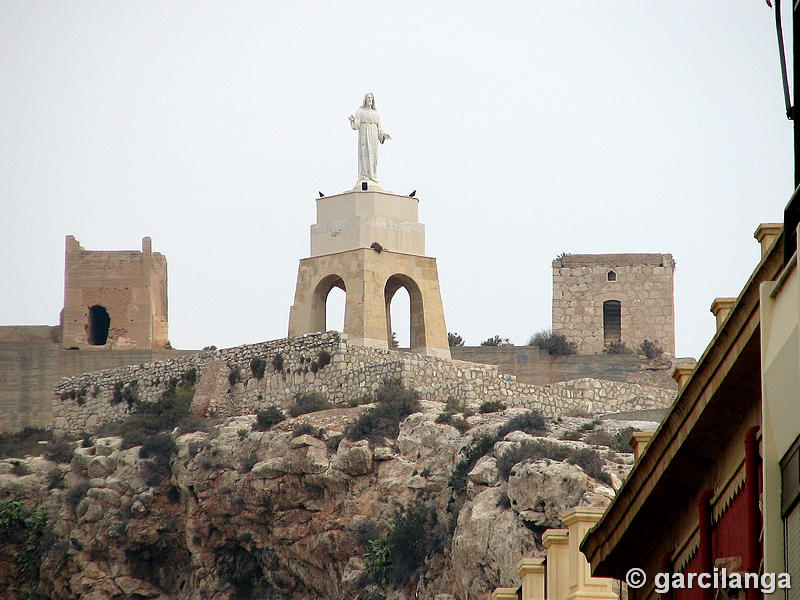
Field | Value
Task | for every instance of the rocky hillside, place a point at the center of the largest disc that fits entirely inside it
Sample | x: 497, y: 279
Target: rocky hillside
x: 362, y: 502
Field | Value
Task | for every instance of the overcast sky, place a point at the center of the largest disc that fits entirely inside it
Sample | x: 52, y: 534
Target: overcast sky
x: 528, y: 129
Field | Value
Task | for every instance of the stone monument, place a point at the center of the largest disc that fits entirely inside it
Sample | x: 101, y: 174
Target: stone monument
x: 369, y: 243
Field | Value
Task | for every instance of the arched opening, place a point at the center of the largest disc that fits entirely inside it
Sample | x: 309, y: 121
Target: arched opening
x: 97, y: 327
x: 611, y: 276
x: 415, y: 325
x: 334, y: 309
x: 319, y: 304
x: 398, y: 318
x: 612, y: 322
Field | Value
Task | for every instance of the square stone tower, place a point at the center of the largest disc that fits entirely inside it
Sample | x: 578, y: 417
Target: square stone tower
x: 599, y: 299
x: 114, y: 299
x: 370, y: 243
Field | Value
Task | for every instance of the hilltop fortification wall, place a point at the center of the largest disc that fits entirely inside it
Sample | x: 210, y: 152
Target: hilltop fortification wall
x: 228, y: 382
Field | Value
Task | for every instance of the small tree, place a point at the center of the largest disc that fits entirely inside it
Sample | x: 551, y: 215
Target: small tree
x: 454, y: 340
x: 555, y: 343
x: 496, y: 341
x: 395, y: 341
x: 651, y: 349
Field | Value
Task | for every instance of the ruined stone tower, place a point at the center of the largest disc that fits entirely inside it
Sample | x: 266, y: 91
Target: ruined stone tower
x: 600, y: 299
x: 114, y: 299
x: 370, y: 243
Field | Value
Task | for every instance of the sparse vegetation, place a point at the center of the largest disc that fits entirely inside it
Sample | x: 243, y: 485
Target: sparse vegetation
x: 234, y: 375
x: 587, y: 459
x: 531, y: 422
x: 414, y: 534
x: 24, y: 443
x: 650, y: 349
x: 459, y: 423
x: 308, y: 429
x: 59, y: 450
x: 148, y: 418
x: 496, y: 341
x: 562, y: 255
x: 491, y: 406
x: 159, y: 447
x: 267, y: 418
x: 75, y: 494
x: 308, y: 403
x: 556, y: 344
x: 617, y: 442
x: 257, y: 367
x: 473, y: 452
x: 395, y: 342
x: 277, y: 362
x: 617, y: 348
x: 393, y: 404
x: 454, y: 340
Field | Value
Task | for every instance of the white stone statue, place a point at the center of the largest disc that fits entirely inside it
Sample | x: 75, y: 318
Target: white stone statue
x: 370, y: 132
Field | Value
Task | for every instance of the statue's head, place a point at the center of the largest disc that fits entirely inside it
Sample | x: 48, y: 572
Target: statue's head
x: 369, y: 101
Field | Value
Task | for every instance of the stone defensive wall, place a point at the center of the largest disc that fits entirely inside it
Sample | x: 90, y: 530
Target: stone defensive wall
x: 228, y: 382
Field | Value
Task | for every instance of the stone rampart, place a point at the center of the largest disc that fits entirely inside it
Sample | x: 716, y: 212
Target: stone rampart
x: 228, y: 382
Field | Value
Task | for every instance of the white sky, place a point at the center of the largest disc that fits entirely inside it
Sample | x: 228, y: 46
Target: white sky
x: 528, y: 129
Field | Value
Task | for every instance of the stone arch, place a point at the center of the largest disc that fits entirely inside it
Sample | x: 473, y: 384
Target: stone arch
x: 417, y: 318
x: 97, y: 325
x: 319, y: 300
x: 612, y: 322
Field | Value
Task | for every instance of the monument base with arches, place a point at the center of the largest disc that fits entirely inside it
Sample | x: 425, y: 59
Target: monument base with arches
x: 369, y: 243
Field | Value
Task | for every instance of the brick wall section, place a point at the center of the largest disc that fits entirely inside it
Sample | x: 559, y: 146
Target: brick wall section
x: 643, y: 286
x: 85, y: 400
x: 32, y: 362
x: 130, y: 284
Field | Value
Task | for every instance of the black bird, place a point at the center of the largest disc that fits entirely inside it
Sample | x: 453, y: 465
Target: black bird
x: 411, y: 195
x: 321, y: 195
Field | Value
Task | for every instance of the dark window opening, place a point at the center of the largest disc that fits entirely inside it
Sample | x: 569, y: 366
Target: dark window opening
x: 612, y: 322
x: 612, y: 276
x: 98, y: 325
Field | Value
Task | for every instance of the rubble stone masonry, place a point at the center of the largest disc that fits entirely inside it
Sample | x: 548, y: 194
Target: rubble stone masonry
x: 228, y: 386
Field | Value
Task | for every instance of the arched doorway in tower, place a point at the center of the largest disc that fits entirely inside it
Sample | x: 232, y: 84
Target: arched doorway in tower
x: 612, y: 322
x: 404, y: 312
x: 97, y: 325
x: 328, y: 304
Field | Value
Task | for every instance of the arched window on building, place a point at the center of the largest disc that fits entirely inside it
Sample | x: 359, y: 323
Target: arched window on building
x: 611, y: 276
x: 97, y: 327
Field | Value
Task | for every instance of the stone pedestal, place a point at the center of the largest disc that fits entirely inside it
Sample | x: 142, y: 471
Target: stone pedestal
x: 370, y: 244
x: 532, y: 573
x: 582, y: 586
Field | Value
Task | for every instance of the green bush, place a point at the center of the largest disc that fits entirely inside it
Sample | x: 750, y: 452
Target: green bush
x: 257, y: 367
x: 190, y: 376
x: 234, y: 375
x: 414, y: 534
x: 393, y: 404
x: 160, y: 448
x: 323, y: 360
x: 591, y: 463
x: 650, y: 349
x: 454, y: 340
x: 617, y: 442
x: 59, y: 450
x: 446, y: 418
x: 617, y: 348
x: 496, y: 341
x: 531, y: 422
x: 308, y: 403
x: 75, y: 494
x: 148, y: 418
x: 308, y: 429
x: 491, y: 406
x: 267, y: 418
x: 277, y: 362
x: 479, y: 447
x: 530, y: 451
x: 556, y: 344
